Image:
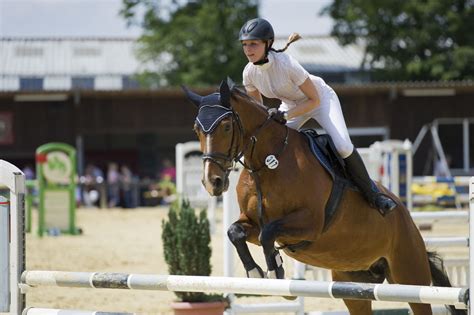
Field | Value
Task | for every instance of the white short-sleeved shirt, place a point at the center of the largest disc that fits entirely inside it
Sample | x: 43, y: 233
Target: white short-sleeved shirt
x: 280, y: 78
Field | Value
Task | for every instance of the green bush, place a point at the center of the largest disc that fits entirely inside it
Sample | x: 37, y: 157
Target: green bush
x: 186, y: 244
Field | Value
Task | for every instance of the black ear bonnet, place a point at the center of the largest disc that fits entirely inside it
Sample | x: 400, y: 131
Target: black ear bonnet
x: 211, y: 112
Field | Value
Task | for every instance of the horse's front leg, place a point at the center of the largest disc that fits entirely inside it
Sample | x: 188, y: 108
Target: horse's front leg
x: 298, y: 225
x: 239, y: 233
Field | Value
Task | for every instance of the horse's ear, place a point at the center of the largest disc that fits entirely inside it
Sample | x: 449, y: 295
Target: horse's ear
x: 224, y: 91
x: 193, y: 97
x: 230, y: 83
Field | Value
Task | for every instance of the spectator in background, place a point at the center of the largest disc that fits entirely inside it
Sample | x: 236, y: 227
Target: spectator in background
x: 126, y: 178
x: 113, y: 185
x: 30, y: 175
x: 29, y: 172
x: 168, y: 170
x: 93, y: 176
x: 166, y: 187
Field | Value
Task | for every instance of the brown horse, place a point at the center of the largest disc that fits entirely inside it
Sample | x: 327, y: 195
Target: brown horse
x: 286, y: 204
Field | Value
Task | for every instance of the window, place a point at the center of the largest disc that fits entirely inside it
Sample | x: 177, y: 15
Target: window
x: 128, y: 82
x: 82, y: 83
x: 28, y: 51
x: 31, y: 84
x: 86, y: 51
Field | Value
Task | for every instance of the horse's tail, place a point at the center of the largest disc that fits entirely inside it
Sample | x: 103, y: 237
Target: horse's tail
x: 440, y: 278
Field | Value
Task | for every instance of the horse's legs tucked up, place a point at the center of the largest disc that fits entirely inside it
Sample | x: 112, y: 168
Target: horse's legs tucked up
x: 298, y: 225
x: 238, y: 233
x: 272, y: 256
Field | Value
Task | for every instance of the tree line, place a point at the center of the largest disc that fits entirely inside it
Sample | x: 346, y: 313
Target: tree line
x: 195, y: 42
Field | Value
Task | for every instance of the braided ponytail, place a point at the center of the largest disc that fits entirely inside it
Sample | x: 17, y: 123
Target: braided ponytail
x: 293, y: 38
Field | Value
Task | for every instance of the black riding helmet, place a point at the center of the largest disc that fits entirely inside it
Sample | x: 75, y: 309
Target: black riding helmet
x: 259, y: 29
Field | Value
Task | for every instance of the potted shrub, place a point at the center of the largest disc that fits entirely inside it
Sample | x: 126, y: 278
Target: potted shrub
x: 186, y: 244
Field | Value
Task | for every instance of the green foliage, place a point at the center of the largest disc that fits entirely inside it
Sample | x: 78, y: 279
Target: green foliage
x: 412, y: 39
x: 186, y: 243
x: 194, y: 42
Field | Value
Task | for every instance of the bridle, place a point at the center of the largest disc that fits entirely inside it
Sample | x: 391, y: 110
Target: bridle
x: 227, y: 161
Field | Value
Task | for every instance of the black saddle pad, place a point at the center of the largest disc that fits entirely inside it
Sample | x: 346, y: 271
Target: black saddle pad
x: 324, y: 150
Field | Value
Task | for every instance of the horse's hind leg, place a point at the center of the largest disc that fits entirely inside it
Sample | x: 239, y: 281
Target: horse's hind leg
x: 409, y: 265
x: 239, y: 233
x: 357, y: 307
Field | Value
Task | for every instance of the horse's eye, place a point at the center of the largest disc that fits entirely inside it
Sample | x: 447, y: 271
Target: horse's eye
x: 227, y: 127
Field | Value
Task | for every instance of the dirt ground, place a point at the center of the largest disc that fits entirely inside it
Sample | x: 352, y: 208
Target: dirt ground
x: 129, y: 241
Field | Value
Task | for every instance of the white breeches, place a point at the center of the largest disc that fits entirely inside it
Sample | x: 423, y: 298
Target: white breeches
x: 329, y: 116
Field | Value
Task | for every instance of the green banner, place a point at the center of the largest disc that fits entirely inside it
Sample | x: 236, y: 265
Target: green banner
x: 56, y: 172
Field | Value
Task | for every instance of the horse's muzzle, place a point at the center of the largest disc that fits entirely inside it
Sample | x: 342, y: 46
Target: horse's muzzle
x: 216, y: 185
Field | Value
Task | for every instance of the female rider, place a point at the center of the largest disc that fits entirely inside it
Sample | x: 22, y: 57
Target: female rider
x: 275, y: 74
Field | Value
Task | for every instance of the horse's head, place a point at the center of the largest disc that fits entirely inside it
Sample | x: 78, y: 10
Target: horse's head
x: 217, y: 128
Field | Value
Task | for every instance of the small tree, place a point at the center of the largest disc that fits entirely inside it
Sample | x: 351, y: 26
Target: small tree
x: 186, y: 243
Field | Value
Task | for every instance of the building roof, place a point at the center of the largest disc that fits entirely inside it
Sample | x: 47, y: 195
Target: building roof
x: 106, y: 61
x: 57, y: 61
x: 67, y: 56
x: 109, y: 62
x: 325, y: 54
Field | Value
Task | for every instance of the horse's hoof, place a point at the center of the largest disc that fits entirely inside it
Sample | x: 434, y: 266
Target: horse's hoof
x: 278, y: 273
x: 256, y: 272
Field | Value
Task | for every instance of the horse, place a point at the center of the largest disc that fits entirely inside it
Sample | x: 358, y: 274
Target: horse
x: 282, y: 192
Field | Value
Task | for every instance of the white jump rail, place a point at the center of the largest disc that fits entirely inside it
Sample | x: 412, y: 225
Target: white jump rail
x: 335, y: 290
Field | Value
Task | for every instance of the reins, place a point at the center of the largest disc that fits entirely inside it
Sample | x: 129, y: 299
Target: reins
x: 254, y: 172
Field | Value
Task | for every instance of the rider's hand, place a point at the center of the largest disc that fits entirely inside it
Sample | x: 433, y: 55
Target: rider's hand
x: 277, y: 115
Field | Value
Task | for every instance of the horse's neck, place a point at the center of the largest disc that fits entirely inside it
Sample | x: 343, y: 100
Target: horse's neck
x: 269, y: 138
x: 251, y: 116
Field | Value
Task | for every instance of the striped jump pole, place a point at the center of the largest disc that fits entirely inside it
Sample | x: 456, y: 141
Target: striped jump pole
x: 335, y: 290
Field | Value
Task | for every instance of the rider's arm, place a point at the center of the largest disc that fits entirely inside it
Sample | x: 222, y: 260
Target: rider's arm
x: 255, y: 94
x: 311, y: 103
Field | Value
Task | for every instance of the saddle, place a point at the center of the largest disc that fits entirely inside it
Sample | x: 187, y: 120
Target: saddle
x: 325, y: 152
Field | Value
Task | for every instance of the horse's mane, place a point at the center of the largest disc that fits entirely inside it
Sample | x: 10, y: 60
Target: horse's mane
x: 236, y: 91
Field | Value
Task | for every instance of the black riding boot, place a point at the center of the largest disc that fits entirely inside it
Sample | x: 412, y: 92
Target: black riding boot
x: 356, y: 169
